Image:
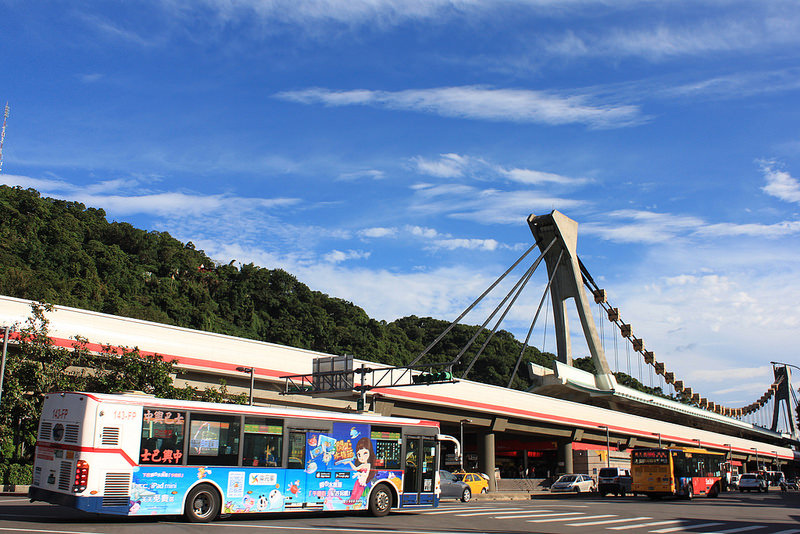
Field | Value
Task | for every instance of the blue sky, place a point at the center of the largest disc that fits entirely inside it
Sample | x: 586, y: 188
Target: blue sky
x: 388, y: 152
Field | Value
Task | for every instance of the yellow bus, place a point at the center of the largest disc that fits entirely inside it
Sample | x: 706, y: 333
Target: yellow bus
x: 676, y: 471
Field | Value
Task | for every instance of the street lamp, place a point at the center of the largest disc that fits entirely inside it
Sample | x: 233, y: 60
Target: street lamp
x: 659, y: 438
x: 775, y: 462
x: 461, y: 436
x: 252, y: 371
x: 697, y: 441
x: 608, y: 447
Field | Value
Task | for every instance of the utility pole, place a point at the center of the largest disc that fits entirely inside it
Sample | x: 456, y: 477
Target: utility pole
x: 3, y: 135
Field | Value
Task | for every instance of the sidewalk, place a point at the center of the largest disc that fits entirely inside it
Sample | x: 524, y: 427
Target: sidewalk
x: 10, y: 489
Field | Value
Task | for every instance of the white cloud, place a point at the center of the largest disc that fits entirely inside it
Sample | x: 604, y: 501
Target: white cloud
x: 780, y: 184
x: 338, y: 256
x: 472, y: 244
x: 533, y: 177
x: 377, y: 232
x: 448, y: 166
x: 482, y: 103
x: 458, y: 166
x: 760, y: 27
x: 371, y: 174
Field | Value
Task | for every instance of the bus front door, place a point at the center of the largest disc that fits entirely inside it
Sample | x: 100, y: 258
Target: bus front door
x: 419, y: 475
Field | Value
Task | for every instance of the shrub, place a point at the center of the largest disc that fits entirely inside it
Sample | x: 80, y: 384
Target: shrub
x: 19, y: 474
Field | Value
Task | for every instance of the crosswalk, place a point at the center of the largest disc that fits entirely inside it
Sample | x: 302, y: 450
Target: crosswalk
x: 573, y: 516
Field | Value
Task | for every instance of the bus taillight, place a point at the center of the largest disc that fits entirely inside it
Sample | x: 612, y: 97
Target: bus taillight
x: 81, y: 476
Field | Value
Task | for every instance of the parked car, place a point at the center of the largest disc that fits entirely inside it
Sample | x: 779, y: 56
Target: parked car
x: 475, y: 481
x: 793, y: 484
x: 614, y: 480
x: 452, y: 488
x: 751, y: 482
x: 734, y: 484
x: 573, y: 483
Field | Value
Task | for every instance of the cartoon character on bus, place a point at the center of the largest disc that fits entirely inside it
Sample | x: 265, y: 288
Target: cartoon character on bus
x: 365, y: 459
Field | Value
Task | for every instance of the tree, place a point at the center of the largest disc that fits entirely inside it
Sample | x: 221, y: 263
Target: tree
x: 39, y: 367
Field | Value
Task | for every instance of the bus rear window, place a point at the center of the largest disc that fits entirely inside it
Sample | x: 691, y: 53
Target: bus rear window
x: 162, y: 437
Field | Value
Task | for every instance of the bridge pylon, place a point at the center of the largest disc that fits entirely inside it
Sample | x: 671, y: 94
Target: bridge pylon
x: 784, y: 392
x: 568, y: 283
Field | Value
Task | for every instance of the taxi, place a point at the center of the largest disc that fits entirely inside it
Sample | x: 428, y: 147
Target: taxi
x: 476, y: 482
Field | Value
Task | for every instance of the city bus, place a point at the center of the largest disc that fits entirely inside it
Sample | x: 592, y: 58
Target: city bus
x: 676, y: 471
x: 135, y: 454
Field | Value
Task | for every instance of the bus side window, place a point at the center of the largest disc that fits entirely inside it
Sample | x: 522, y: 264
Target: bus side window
x: 214, y: 439
x: 263, y: 442
x: 297, y: 450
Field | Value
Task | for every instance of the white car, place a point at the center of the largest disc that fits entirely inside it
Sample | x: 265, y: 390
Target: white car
x: 752, y: 482
x: 573, y: 484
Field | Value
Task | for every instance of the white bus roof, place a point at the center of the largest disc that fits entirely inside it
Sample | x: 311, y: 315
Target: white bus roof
x: 140, y: 399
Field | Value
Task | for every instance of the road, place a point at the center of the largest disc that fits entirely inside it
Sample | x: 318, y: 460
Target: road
x: 730, y: 513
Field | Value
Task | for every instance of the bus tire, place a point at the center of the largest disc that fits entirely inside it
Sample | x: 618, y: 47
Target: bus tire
x: 202, y: 504
x: 380, y: 500
x: 714, y: 491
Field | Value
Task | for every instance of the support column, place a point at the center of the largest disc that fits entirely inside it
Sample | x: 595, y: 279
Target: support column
x: 565, y: 455
x: 487, y: 459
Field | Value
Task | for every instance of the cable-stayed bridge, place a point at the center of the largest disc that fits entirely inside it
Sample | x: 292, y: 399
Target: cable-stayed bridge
x: 569, y: 410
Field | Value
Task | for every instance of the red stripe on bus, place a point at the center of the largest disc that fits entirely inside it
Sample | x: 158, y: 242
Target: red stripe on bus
x: 78, y: 448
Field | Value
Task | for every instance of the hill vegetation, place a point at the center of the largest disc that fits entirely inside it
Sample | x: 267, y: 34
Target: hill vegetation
x: 64, y: 253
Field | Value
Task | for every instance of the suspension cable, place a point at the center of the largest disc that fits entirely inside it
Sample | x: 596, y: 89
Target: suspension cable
x: 475, y: 303
x: 533, y: 323
x: 514, y: 291
x: 526, y: 279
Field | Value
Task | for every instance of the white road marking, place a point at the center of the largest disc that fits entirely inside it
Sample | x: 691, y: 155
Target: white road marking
x: 456, y: 510
x: 640, y: 525
x: 608, y: 521
x: 790, y: 531
x: 46, y: 531
x: 567, y: 518
x: 494, y: 511
x: 683, y: 527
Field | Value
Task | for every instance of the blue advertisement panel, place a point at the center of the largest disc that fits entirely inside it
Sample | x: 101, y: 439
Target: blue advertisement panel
x: 340, y: 469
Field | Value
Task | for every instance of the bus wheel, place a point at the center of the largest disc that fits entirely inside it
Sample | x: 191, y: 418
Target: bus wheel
x: 380, y: 500
x: 202, y: 504
x: 713, y: 492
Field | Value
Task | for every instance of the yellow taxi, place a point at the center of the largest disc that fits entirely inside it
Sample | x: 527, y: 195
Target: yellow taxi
x: 476, y: 482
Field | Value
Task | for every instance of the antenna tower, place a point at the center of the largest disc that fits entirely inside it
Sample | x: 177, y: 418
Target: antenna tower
x: 3, y: 136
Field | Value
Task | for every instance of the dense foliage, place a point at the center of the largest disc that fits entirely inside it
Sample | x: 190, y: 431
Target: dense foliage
x: 64, y: 253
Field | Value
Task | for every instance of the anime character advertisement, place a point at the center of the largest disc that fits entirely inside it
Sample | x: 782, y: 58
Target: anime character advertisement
x: 161, y: 490
x: 342, y: 467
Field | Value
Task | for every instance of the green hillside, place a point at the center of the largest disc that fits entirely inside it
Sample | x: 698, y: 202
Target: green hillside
x: 65, y: 253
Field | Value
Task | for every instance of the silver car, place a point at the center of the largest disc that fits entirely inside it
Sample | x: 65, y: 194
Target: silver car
x: 573, y: 484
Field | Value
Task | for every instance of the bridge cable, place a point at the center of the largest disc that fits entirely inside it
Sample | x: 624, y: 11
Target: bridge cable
x: 533, y: 323
x: 475, y: 303
x: 516, y: 290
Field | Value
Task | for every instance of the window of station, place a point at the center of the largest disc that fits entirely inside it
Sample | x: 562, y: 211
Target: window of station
x: 388, y: 442
x: 214, y: 439
x: 162, y: 436
x: 263, y: 442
